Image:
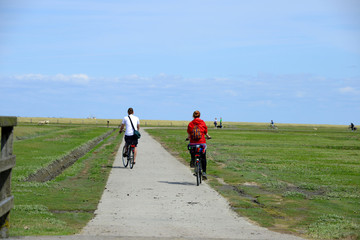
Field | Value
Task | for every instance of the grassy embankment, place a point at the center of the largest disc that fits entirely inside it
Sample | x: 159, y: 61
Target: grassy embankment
x: 300, y: 179
x: 65, y: 204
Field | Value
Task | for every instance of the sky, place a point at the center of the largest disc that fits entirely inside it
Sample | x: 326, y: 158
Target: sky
x: 244, y: 61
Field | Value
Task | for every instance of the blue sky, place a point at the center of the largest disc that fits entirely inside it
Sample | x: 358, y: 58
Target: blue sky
x: 244, y: 61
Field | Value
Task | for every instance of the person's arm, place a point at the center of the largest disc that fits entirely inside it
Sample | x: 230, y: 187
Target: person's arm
x: 138, y: 124
x: 122, y: 128
x: 189, y: 131
x: 206, y: 131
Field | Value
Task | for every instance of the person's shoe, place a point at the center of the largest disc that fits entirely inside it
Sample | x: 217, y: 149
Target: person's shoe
x: 204, y: 177
x: 192, y: 163
x: 124, y: 154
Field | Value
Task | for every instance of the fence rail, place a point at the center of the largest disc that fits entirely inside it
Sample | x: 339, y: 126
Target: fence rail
x: 7, y: 162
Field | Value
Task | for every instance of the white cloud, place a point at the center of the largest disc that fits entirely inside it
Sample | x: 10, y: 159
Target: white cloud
x: 77, y: 78
x: 74, y: 78
x: 349, y: 90
x: 30, y: 76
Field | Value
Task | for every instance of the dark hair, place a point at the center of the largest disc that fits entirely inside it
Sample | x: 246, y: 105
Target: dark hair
x: 130, y: 111
x: 196, y: 114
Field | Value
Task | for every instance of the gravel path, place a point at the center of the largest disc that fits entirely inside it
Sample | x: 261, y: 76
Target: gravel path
x: 158, y: 199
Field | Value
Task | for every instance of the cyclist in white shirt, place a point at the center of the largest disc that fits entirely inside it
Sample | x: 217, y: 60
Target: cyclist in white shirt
x: 130, y: 139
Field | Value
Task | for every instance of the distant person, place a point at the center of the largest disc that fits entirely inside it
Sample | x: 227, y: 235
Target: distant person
x: 215, y: 122
x: 199, y: 124
x: 352, y: 127
x: 131, y: 122
x: 272, y: 125
x: 220, y: 126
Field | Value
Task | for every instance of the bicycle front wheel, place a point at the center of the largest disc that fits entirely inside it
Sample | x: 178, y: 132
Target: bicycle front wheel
x: 125, y: 158
x: 131, y: 157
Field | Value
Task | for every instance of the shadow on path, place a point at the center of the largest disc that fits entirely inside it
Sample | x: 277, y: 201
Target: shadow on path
x: 178, y: 183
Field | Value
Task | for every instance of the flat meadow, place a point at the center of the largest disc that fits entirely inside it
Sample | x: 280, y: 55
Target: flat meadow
x: 64, y: 204
x: 298, y: 179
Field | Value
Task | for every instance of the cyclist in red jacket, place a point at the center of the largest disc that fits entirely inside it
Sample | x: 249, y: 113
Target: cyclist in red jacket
x: 197, y: 130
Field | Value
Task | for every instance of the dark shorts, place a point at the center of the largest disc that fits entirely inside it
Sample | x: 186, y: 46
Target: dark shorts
x: 131, y: 140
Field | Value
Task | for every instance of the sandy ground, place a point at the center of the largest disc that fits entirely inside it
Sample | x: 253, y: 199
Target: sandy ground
x: 159, y: 199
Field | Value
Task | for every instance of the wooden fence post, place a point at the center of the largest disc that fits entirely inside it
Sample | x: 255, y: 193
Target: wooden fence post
x: 7, y: 162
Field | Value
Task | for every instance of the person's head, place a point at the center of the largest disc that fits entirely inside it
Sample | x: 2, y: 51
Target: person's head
x: 196, y: 114
x: 130, y: 111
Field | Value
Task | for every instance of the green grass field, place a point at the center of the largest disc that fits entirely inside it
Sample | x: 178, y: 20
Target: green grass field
x: 299, y: 179
x: 63, y: 205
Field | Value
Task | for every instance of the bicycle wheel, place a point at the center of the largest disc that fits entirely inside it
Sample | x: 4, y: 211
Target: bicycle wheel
x: 198, y: 173
x: 131, y: 157
x: 124, y: 159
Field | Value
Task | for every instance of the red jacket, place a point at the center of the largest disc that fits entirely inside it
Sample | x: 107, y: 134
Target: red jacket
x: 203, y: 129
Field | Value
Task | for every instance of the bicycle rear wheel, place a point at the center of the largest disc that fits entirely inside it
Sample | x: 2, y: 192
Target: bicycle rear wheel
x: 131, y: 157
x: 125, y: 159
x: 198, y: 173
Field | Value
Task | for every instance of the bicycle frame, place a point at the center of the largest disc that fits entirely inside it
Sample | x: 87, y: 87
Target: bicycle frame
x: 130, y: 148
x: 130, y: 156
x: 198, y: 150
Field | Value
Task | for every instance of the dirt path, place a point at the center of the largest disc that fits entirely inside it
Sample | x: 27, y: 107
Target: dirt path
x: 159, y: 199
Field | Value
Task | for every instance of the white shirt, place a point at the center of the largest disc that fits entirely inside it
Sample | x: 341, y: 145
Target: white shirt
x: 129, y: 129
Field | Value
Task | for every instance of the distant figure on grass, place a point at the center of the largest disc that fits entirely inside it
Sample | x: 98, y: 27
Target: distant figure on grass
x: 197, y: 130
x: 220, y: 126
x: 352, y: 127
x: 131, y: 123
x: 215, y: 122
x: 272, y: 125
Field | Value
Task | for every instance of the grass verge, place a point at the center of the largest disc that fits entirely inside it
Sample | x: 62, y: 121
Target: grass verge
x: 64, y: 205
x: 298, y: 180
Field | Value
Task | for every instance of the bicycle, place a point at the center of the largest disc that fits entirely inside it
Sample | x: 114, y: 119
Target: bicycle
x: 352, y: 128
x: 271, y: 126
x: 128, y: 155
x: 199, y: 150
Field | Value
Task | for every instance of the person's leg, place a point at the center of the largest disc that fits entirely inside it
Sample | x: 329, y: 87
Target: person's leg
x: 203, y: 162
x: 203, y: 165
x: 192, y: 161
x: 135, y: 142
x: 125, y: 146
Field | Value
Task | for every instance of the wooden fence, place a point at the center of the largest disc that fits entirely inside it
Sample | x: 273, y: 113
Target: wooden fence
x: 7, y: 162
